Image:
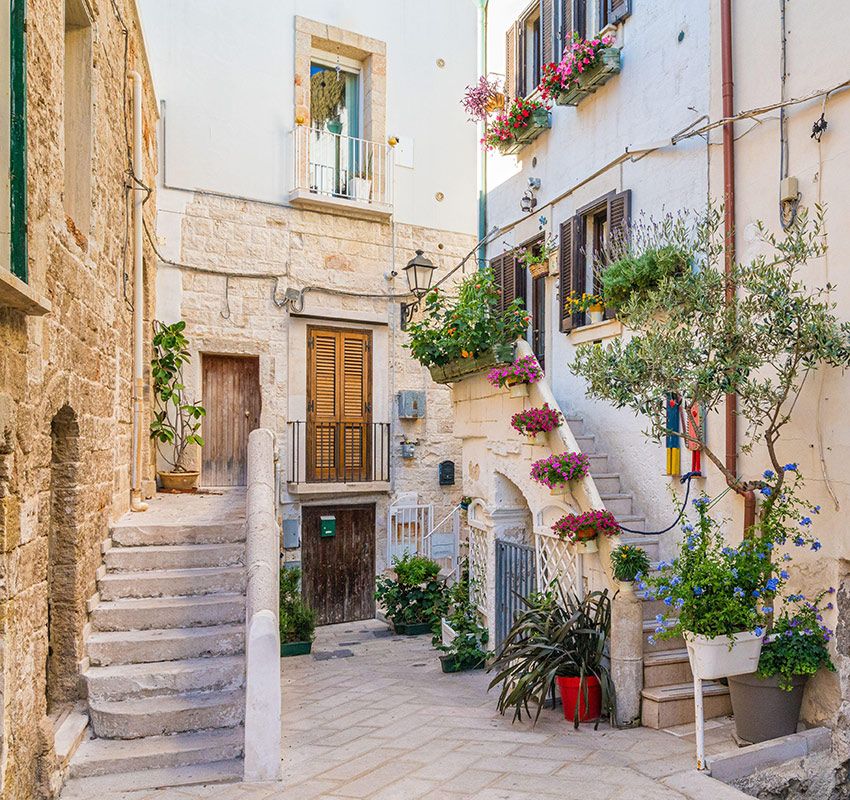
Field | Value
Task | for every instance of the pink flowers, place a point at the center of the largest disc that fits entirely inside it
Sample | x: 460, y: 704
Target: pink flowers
x: 578, y: 57
x: 536, y: 420
x: 557, y: 470
x: 480, y: 98
x: 509, y: 123
x: 523, y: 370
x: 587, y: 525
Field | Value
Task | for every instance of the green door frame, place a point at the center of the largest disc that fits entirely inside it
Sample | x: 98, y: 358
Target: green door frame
x: 18, y: 141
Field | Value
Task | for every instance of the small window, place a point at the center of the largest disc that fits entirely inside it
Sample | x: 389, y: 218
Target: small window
x: 78, y: 114
x: 529, y: 44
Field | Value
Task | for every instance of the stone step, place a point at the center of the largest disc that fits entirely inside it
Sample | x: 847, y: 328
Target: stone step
x: 123, y: 756
x: 146, y: 613
x: 172, y: 582
x: 586, y: 443
x: 649, y: 626
x: 651, y: 608
x: 576, y: 425
x: 607, y: 482
x: 666, y: 706
x: 182, y: 556
x: 665, y: 668
x: 648, y: 543
x: 111, y: 786
x: 598, y: 462
x: 165, y: 534
x: 147, y: 679
x: 620, y: 504
x: 168, y: 644
x: 157, y: 716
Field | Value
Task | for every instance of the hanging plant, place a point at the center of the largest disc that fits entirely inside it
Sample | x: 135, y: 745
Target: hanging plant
x: 586, y: 526
x: 537, y: 420
x: 558, y: 470
x: 523, y: 370
x: 482, y: 98
x: 508, y: 125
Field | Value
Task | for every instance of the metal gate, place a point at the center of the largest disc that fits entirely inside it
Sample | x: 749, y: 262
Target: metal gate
x: 515, y: 580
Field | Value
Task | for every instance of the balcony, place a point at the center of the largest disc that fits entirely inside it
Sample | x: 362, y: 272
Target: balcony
x: 341, y: 174
x: 327, y: 458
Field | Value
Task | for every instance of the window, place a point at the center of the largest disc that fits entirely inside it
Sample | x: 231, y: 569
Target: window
x: 529, y: 44
x: 538, y: 319
x: 78, y: 114
x: 587, y: 17
x: 583, y: 243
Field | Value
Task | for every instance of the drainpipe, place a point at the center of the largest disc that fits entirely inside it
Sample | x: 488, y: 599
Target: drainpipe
x: 728, y: 91
x: 136, y: 502
x: 482, y: 163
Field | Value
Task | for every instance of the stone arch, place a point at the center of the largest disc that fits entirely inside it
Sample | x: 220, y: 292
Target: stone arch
x: 511, y: 513
x: 64, y: 623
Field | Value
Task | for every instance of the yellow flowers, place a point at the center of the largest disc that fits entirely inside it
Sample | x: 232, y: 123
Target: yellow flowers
x: 575, y: 304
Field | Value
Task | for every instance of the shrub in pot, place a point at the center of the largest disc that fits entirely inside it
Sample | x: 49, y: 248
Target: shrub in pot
x: 628, y: 563
x: 467, y: 650
x: 585, y: 528
x: 416, y: 598
x: 297, y: 621
x: 557, y: 638
x: 766, y: 704
x: 640, y: 273
x: 556, y: 471
x: 177, y: 422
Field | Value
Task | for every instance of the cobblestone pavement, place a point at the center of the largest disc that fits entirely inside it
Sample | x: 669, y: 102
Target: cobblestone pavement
x: 370, y: 715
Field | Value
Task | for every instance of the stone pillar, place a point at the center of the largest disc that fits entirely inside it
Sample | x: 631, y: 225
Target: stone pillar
x: 627, y: 655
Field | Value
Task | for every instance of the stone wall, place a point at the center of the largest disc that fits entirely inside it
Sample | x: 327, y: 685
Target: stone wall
x: 65, y: 406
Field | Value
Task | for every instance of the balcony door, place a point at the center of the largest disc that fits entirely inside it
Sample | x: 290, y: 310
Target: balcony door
x: 339, y: 404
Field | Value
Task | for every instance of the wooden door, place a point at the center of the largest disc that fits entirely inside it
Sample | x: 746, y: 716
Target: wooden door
x: 338, y: 572
x: 231, y: 392
x: 339, y: 405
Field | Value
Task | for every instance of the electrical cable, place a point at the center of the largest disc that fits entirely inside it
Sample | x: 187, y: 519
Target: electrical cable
x: 685, y: 479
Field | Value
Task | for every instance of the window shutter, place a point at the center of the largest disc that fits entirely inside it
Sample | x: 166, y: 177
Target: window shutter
x: 323, y: 355
x: 510, y: 61
x: 619, y: 219
x: 565, y: 32
x: 505, y: 273
x: 356, y: 408
x: 521, y: 61
x: 547, y: 30
x: 568, y: 270
x: 618, y: 9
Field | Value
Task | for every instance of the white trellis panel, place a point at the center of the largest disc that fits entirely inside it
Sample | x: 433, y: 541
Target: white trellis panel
x: 478, y: 569
x: 407, y: 529
x: 557, y: 560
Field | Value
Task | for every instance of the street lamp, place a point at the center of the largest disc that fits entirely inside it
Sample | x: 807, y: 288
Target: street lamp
x: 420, y: 273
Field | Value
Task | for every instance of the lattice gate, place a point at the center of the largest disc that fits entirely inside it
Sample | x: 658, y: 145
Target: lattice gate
x: 515, y: 580
x: 557, y: 560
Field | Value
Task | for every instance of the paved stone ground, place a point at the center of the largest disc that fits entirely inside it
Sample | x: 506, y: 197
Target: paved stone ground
x: 370, y: 715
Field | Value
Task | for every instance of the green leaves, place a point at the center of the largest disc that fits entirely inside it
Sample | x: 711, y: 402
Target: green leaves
x: 416, y: 595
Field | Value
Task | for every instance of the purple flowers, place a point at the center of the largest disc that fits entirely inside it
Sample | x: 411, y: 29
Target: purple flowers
x: 557, y: 470
x: 523, y: 370
x: 536, y: 420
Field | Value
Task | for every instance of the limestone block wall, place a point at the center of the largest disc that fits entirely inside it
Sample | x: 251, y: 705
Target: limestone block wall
x: 65, y: 409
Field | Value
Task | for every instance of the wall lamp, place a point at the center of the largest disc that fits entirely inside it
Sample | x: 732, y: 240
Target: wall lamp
x: 420, y: 272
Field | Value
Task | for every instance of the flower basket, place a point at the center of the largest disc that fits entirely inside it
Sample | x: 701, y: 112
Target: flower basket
x: 539, y: 270
x: 721, y: 656
x: 537, y: 439
x: 541, y: 120
x: 592, y: 79
x: 464, y: 367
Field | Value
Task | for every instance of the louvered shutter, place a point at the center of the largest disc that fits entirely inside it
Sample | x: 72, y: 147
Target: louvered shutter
x: 547, y: 30
x: 510, y: 61
x: 322, y: 404
x: 565, y: 33
x: 521, y: 61
x: 355, y: 406
x: 568, y: 270
x: 618, y: 9
x: 619, y: 220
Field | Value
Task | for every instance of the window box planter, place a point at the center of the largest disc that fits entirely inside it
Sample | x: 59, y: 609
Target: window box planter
x: 541, y: 120
x: 464, y: 367
x: 450, y: 663
x: 295, y: 649
x: 721, y: 656
x: 539, y: 270
x: 590, y: 81
x: 412, y: 629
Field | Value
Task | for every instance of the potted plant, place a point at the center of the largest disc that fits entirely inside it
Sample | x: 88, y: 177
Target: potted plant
x: 408, y: 448
x: 586, y: 65
x: 517, y: 376
x: 536, y: 258
x: 557, y: 639
x: 297, y: 621
x: 556, y: 471
x: 176, y: 421
x: 416, y: 598
x: 535, y: 423
x: 766, y: 704
x: 585, y: 528
x: 628, y: 563
x: 459, y: 337
x: 518, y: 125
x: 591, y: 304
x: 483, y: 98
x: 464, y: 639
x: 465, y: 502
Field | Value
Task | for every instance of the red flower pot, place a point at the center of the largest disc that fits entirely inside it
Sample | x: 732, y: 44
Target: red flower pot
x: 584, y: 535
x: 572, y: 694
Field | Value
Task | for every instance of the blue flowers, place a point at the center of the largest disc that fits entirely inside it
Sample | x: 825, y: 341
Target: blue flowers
x: 759, y: 631
x: 806, y: 521
x: 698, y: 590
x: 766, y: 491
x: 790, y: 467
x: 772, y: 584
x: 650, y: 639
x: 659, y: 618
x: 816, y: 546
x: 675, y: 580
x: 783, y: 574
x: 768, y: 474
x: 680, y: 602
x: 766, y: 610
x: 799, y: 541
x: 701, y: 502
x: 668, y: 601
x: 738, y: 592
x: 756, y: 593
x: 687, y: 527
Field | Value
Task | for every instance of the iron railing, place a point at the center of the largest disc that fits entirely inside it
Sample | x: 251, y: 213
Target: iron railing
x: 344, y: 167
x: 338, y: 452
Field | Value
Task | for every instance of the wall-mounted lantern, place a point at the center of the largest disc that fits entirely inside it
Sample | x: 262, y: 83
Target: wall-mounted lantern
x: 420, y: 272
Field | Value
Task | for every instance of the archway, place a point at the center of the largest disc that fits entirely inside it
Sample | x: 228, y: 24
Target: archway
x: 62, y: 613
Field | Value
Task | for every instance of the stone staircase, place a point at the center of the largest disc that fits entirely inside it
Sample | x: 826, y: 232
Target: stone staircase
x: 668, y: 693
x: 165, y: 650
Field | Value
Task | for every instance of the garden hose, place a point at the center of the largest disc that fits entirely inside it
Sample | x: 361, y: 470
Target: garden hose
x: 686, y: 479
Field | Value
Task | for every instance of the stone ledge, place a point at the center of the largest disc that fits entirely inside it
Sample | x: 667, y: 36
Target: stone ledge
x: 304, y: 198
x: 596, y: 331
x: 14, y: 293
x: 744, y: 762
x: 322, y: 489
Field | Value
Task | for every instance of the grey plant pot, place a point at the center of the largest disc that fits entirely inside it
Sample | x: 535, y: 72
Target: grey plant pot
x: 762, y: 710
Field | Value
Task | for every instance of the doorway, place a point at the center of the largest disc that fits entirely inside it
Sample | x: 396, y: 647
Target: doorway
x: 231, y: 397
x: 338, y: 562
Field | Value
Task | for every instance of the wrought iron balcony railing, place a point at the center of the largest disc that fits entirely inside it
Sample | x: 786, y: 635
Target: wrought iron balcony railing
x: 338, y: 452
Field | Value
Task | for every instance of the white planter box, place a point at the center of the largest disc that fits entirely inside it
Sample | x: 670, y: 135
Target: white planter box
x: 626, y: 588
x: 447, y: 632
x: 596, y: 317
x: 587, y: 546
x: 361, y: 189
x: 537, y: 439
x: 722, y: 656
x: 519, y: 390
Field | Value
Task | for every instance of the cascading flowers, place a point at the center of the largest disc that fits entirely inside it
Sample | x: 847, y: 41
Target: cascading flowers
x: 481, y: 98
x: 558, y: 470
x: 586, y: 526
x: 509, y: 123
x: 579, y: 57
x: 536, y: 420
x: 523, y: 370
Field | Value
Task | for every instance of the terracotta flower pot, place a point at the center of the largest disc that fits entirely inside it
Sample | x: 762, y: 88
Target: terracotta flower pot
x: 762, y: 710
x: 179, y: 481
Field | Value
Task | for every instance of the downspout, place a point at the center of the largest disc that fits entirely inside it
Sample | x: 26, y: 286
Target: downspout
x: 18, y: 139
x: 482, y: 158
x: 136, y: 502
x: 729, y: 229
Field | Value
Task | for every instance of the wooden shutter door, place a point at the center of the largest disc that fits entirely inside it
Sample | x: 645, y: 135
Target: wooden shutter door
x: 565, y: 33
x: 322, y: 446
x: 356, y: 407
x: 510, y: 62
x: 568, y: 270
